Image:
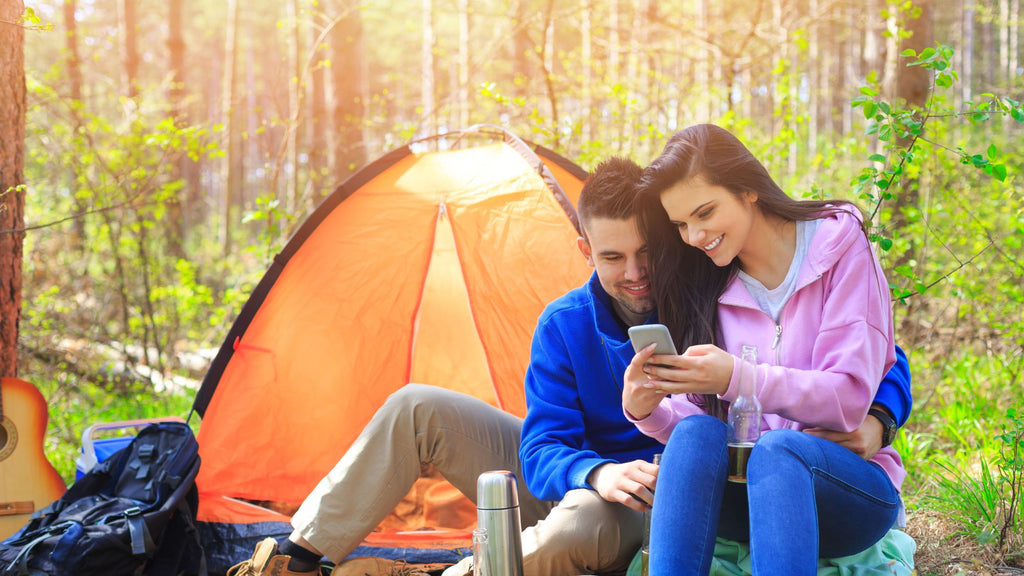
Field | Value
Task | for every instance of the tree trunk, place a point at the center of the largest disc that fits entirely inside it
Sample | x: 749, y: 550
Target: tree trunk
x: 295, y: 91
x: 967, y: 71
x: 12, y: 178
x: 175, y: 100
x: 464, y: 42
x: 1015, y: 32
x: 875, y: 48
x: 913, y: 86
x: 428, y: 118
x: 130, y: 56
x: 522, y: 49
x: 818, y: 89
x: 318, y: 119
x: 614, y: 43
x: 1004, y: 24
x: 349, y: 81
x: 586, y: 113
x: 233, y: 179
x: 73, y: 65
x: 913, y: 83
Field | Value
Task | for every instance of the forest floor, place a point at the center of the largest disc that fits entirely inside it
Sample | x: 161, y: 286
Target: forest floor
x: 941, y: 552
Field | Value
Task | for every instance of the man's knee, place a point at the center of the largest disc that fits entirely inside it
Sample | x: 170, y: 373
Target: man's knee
x: 412, y: 397
x: 586, y: 523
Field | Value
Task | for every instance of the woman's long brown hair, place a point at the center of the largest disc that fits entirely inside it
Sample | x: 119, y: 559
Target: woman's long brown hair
x: 686, y: 283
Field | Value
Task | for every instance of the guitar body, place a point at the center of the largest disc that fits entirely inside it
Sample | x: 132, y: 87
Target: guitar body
x: 28, y: 482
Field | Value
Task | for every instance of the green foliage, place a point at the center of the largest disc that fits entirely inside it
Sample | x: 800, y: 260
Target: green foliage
x: 275, y: 221
x: 119, y: 299
x: 986, y: 502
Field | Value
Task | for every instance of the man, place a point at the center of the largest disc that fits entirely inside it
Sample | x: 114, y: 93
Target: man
x: 586, y: 468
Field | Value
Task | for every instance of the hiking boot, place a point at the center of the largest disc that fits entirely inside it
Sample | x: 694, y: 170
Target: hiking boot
x: 372, y: 566
x: 266, y: 561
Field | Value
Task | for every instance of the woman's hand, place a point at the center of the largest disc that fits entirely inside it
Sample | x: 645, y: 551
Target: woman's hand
x: 639, y: 397
x: 702, y: 369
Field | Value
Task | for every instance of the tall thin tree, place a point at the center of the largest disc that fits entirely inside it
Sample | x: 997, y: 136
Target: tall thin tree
x: 429, y: 114
x: 12, y: 179
x: 73, y: 67
x: 348, y: 81
x: 463, y: 68
x: 295, y: 105
x: 229, y: 102
x: 130, y: 54
x: 317, y: 121
x: 175, y: 100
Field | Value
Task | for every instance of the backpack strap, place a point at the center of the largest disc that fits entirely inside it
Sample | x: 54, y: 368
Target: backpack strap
x: 142, y: 541
x: 21, y: 560
x: 174, y: 540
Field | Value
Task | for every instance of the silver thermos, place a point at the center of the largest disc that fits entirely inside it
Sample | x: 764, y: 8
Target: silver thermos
x: 497, y: 510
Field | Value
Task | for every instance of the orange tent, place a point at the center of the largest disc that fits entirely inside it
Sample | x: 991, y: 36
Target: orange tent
x: 429, y: 265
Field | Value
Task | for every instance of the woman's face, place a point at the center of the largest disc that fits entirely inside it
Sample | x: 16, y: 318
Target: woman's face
x: 710, y: 218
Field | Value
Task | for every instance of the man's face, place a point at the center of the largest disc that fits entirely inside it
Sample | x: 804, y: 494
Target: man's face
x: 615, y: 249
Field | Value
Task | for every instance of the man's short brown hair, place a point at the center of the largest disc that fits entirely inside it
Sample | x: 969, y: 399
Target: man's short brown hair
x: 609, y: 191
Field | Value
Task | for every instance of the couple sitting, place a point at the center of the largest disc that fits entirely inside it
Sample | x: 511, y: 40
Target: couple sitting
x: 729, y: 259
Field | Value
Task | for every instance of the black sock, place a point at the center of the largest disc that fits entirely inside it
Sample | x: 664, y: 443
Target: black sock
x: 302, y: 559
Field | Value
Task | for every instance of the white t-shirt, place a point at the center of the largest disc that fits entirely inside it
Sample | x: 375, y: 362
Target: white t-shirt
x: 772, y: 301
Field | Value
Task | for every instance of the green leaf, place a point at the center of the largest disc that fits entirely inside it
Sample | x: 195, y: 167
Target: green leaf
x: 869, y: 109
x: 992, y: 151
x: 885, y: 244
x: 908, y: 52
x: 877, y: 158
x: 868, y: 91
x: 999, y: 171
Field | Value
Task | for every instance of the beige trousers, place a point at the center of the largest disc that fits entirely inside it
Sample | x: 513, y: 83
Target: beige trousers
x: 462, y: 436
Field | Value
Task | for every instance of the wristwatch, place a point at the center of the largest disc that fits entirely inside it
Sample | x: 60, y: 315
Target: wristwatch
x: 888, y: 425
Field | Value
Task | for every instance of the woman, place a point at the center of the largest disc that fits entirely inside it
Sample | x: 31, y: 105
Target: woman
x: 799, y: 280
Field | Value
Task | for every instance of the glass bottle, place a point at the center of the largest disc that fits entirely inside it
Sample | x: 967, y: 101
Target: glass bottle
x: 480, y: 552
x: 744, y: 417
x: 645, y: 548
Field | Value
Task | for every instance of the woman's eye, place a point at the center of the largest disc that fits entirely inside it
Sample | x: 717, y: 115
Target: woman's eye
x: 705, y: 214
x: 681, y: 225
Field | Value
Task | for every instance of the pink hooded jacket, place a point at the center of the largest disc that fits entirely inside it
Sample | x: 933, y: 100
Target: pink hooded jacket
x: 822, y: 363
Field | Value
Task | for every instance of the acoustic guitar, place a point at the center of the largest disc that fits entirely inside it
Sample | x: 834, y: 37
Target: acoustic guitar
x: 28, y: 481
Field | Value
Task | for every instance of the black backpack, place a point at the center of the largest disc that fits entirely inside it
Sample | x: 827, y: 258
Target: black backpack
x: 134, y: 513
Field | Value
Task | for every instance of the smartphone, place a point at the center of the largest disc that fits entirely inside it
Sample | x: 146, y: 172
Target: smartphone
x: 646, y: 334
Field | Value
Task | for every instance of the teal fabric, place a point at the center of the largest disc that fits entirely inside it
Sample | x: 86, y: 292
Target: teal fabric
x: 893, y: 555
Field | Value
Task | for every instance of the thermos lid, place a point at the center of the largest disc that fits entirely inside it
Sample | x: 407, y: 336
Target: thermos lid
x: 496, y: 490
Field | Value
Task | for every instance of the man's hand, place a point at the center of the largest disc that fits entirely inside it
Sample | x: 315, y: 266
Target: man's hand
x: 864, y: 441
x: 630, y: 484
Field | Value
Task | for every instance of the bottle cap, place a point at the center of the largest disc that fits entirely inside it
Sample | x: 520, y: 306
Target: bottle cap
x: 496, y: 490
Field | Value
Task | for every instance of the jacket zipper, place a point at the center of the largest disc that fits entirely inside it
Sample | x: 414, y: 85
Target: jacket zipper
x: 778, y: 336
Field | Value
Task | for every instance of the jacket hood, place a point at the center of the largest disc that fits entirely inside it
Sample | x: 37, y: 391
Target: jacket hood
x: 836, y: 234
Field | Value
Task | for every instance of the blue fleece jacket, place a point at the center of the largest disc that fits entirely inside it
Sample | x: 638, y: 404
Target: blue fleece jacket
x: 574, y: 420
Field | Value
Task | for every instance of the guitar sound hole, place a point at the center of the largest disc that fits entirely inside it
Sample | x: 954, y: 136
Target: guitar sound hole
x: 8, y: 437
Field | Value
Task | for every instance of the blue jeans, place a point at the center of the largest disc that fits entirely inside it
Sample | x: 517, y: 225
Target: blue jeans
x: 805, y: 497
